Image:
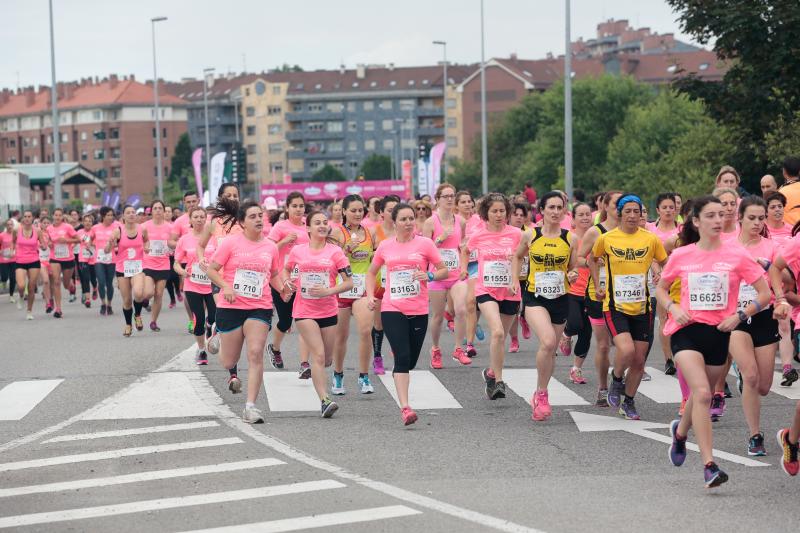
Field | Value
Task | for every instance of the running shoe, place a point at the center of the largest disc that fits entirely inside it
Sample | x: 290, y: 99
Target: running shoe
x: 275, y: 358
x: 499, y: 390
x: 717, y: 406
x: 727, y: 391
x: 526, y: 330
x: 148, y: 308
x: 576, y: 376
x: 669, y: 368
x: 154, y: 327
x: 71, y: 297
x: 514, y: 346
x: 471, y: 351
x: 190, y: 327
x: 48, y: 309
x: 305, y: 371
x: 739, y: 380
x: 58, y: 313
x: 461, y: 356
x: 234, y: 384
x: 337, y: 387
x: 540, y: 406
x: 29, y: 316
x: 172, y: 305
x: 756, y: 445
x: 377, y: 365
x: 252, y: 415
x: 94, y: 293
x: 479, y: 332
x: 201, y: 358
x: 19, y: 304
x: 87, y: 303
x: 789, y: 376
x: 677, y: 452
x: 488, y: 379
x: 602, y: 398
x: 628, y: 409
x: 682, y: 408
x: 109, y: 311
x: 139, y: 324
x: 328, y: 408
x: 789, y: 461
x: 12, y: 299
x: 450, y: 321
x: 646, y: 376
x: 436, y: 358
x: 565, y: 345
x: 408, y: 415
x: 212, y: 344
x: 714, y: 477
x: 364, y: 385
x: 615, y: 392
x: 179, y: 295
x: 127, y: 331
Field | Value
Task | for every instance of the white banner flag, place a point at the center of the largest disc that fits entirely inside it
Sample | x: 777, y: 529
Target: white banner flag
x: 422, y: 177
x: 217, y: 172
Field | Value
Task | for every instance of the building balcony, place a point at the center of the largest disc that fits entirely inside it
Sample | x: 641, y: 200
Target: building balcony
x: 430, y: 131
x: 305, y: 135
x: 429, y: 112
x: 319, y: 154
x: 305, y: 116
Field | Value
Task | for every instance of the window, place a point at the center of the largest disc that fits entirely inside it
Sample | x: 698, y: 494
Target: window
x: 155, y: 152
x: 315, y: 126
x: 13, y: 143
x: 388, y: 144
x: 155, y: 171
x: 26, y: 159
x: 274, y: 128
x: 369, y: 144
x: 369, y: 125
x: 352, y: 146
x: 251, y: 149
x: 352, y: 126
x: 297, y: 107
x: 452, y: 142
x: 64, y: 138
x: 351, y: 107
x: 85, y: 155
x: 411, y: 83
x: 276, y: 167
x: 250, y: 111
x: 355, y: 84
x: 451, y: 102
x: 704, y: 66
x: 25, y: 142
x: 113, y: 133
x: 276, y: 89
x: 335, y: 127
x: 154, y: 133
x: 369, y: 106
x: 164, y: 133
x: 407, y: 103
x: 276, y: 148
x: 425, y: 82
x: 115, y: 153
x: 97, y: 115
x: 116, y: 172
x: 165, y: 152
x: 335, y: 146
x: 100, y: 154
x: 386, y: 104
x: 251, y: 130
x: 273, y: 110
x: 339, y: 165
x: 314, y: 108
x: 318, y: 86
x: 451, y: 122
x: 251, y: 168
x: 387, y: 124
x: 672, y: 68
x: 334, y: 107
x: 392, y: 83
x: 313, y: 165
x: 352, y: 164
x: 35, y: 142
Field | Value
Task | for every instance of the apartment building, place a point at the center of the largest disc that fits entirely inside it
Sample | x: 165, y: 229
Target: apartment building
x: 107, y: 126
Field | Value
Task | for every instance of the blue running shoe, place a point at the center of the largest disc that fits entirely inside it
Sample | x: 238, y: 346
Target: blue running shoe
x: 677, y: 452
x: 628, y: 410
x: 714, y: 477
x: 615, y: 392
x: 337, y: 388
x: 479, y: 332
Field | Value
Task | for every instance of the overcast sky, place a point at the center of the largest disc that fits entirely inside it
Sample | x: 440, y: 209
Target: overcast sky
x: 98, y: 37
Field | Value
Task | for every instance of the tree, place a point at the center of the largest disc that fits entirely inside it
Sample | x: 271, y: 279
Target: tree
x: 377, y: 167
x: 288, y: 68
x: 328, y: 173
x: 181, y: 163
x: 758, y: 42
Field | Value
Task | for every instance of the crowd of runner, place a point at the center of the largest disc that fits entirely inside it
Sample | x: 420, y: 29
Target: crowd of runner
x: 713, y: 276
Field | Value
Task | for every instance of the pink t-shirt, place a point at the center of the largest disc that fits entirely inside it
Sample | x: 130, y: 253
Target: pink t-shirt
x: 315, y: 267
x: 186, y: 253
x: 158, y: 236
x: 27, y: 247
x: 280, y: 230
x: 86, y: 252
x: 129, y: 249
x: 450, y: 248
x: 182, y: 225
x: 247, y: 267
x: 663, y: 235
x: 101, y: 235
x: 780, y: 235
x: 404, y: 294
x: 60, y: 251
x: 495, y: 251
x: 474, y: 223
x: 731, y: 236
x: 566, y: 222
x: 6, y: 245
x: 369, y: 223
x: 709, y: 281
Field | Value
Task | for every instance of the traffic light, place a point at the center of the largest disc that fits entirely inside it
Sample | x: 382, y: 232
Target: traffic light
x: 423, y: 151
x: 238, y: 164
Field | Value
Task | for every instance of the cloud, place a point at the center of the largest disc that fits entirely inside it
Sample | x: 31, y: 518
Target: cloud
x: 412, y: 49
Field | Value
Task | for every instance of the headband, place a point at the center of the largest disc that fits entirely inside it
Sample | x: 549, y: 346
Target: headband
x: 628, y: 198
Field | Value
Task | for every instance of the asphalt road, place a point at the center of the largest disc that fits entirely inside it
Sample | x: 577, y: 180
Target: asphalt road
x: 74, y: 454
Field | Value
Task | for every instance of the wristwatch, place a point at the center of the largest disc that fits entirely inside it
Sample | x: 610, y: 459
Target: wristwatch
x: 742, y: 315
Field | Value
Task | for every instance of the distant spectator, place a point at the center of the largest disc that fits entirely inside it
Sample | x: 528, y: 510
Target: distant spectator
x: 791, y: 189
x: 530, y: 194
x: 578, y: 196
x: 768, y: 185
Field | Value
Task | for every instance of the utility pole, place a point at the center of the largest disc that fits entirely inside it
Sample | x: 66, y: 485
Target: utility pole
x: 484, y: 142
x: 159, y: 166
x: 54, y: 105
x: 568, y: 108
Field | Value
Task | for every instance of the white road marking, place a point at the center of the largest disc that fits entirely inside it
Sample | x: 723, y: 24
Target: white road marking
x: 590, y: 422
x: 167, y: 503
x: 661, y: 388
x: 425, y: 391
x: 793, y: 392
x: 116, y: 454
x: 523, y: 382
x: 135, y: 431
x: 285, y: 392
x: 159, y: 395
x: 139, y: 477
x: 17, y: 399
x: 315, y: 521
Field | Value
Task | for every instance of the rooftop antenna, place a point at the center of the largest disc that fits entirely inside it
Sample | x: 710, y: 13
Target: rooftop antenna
x: 244, y: 62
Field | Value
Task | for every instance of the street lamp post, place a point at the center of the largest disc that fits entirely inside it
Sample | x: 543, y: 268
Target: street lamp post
x: 54, y: 105
x: 443, y: 44
x: 159, y: 169
x: 484, y: 143
x: 568, y: 108
x: 206, y: 72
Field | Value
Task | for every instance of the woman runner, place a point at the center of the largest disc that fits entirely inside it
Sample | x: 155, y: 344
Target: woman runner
x: 129, y: 242
x: 62, y: 237
x: 380, y: 233
x: 28, y: 240
x: 86, y: 262
x: 156, y: 260
x: 105, y: 263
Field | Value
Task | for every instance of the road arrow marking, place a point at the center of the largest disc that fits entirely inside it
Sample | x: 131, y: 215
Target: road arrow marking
x: 590, y: 422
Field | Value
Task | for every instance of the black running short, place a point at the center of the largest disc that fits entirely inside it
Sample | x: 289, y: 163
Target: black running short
x: 507, y: 307
x: 639, y: 326
x: 66, y: 264
x: 557, y: 307
x: 326, y: 322
x: 228, y: 319
x: 762, y: 328
x: 29, y: 266
x: 703, y: 338
x: 157, y: 275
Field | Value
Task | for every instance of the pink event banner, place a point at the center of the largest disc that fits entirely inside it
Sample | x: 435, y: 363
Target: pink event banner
x: 336, y: 189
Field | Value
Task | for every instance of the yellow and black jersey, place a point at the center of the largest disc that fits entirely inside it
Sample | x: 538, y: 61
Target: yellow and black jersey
x: 590, y: 286
x: 628, y: 257
x: 548, y: 259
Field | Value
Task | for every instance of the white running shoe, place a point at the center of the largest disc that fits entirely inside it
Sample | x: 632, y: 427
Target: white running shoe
x: 212, y: 344
x: 29, y: 316
x: 365, y: 386
x: 252, y: 415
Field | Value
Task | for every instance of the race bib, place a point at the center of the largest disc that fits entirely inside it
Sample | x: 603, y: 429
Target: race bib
x: 359, y: 287
x: 747, y: 295
x: 44, y: 255
x: 383, y: 276
x: 295, y: 273
x: 76, y: 248
x: 629, y: 288
x: 7, y: 253
x: 198, y: 276
x: 103, y: 256
x: 450, y: 258
x: 248, y: 283
x: 313, y: 279
x: 61, y: 251
x: 524, y: 269
x: 549, y: 284
x: 158, y: 248
x: 497, y: 274
x: 651, y: 286
x: 87, y: 253
x: 708, y: 291
x: 131, y: 267
x: 403, y: 285
x: 473, y: 256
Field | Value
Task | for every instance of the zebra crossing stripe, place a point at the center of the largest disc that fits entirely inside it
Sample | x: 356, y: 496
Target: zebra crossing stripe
x: 19, y: 398
x: 287, y: 393
x: 425, y: 391
x: 661, y: 388
x: 793, y: 392
x: 523, y: 382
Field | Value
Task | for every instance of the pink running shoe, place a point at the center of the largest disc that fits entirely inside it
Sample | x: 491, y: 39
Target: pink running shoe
x: 540, y: 404
x: 565, y: 345
x: 377, y: 365
x: 461, y: 356
x: 576, y: 376
x: 514, y: 346
x: 436, y: 358
x: 471, y: 351
x: 526, y: 330
x: 408, y: 415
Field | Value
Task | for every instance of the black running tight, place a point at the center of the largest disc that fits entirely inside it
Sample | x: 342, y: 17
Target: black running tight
x: 88, y: 277
x: 578, y: 324
x: 198, y: 304
x: 284, y: 310
x: 406, y: 333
